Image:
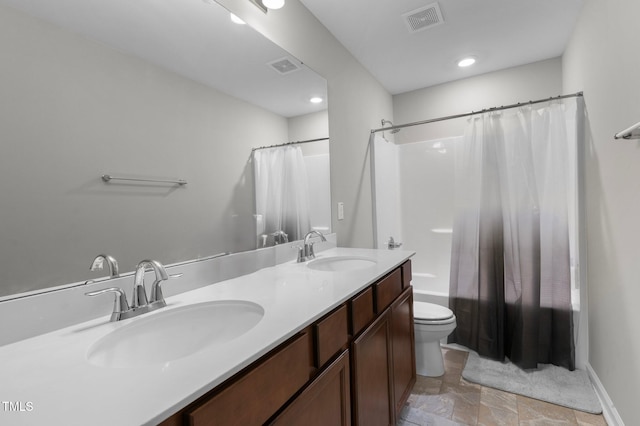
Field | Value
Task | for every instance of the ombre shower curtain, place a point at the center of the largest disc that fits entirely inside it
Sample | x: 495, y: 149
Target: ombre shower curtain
x: 510, y: 285
x: 282, y: 193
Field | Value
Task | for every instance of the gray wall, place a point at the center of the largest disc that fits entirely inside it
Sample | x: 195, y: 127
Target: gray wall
x: 72, y: 110
x: 512, y: 85
x: 309, y: 126
x: 602, y: 59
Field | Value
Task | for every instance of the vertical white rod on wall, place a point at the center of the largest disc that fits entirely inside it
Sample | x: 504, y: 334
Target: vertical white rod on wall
x: 372, y: 167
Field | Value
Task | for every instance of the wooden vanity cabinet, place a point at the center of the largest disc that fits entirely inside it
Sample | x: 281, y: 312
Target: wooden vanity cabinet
x: 403, y: 345
x: 372, y: 374
x: 259, y: 393
x: 326, y: 401
x: 387, y: 290
x: 355, y: 365
x: 331, y: 335
x: 383, y: 356
x: 361, y: 311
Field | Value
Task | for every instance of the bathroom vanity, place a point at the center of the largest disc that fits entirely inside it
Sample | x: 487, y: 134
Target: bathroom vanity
x: 361, y: 352
x: 333, y: 344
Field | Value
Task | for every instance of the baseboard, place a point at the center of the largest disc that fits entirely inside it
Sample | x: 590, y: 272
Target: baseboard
x: 608, y: 409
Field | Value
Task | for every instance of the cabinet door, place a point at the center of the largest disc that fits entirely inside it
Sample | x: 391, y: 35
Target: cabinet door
x: 404, y: 355
x: 326, y: 401
x: 260, y: 392
x: 371, y: 375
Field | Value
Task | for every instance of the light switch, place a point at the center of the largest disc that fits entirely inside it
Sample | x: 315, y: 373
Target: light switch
x: 340, y: 211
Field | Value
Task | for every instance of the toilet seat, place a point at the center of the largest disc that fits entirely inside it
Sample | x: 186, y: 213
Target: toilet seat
x: 430, y: 313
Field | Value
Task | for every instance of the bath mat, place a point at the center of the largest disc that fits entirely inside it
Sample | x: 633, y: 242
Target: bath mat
x: 571, y: 389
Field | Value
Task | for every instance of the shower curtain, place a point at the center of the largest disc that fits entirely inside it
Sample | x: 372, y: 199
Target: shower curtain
x: 510, y: 285
x: 282, y: 193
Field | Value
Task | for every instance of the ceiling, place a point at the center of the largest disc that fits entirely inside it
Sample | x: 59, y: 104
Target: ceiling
x: 193, y: 38
x: 196, y: 39
x: 499, y: 33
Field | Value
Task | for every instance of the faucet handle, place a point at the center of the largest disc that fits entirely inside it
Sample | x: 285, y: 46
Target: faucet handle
x: 310, y: 252
x: 139, y: 296
x: 157, y: 298
x: 301, y: 256
x: 120, y: 304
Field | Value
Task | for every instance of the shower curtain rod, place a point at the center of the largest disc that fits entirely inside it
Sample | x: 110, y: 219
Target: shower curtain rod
x: 468, y: 114
x: 290, y: 143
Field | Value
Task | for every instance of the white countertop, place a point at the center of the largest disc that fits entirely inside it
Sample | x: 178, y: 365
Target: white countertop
x: 56, y: 385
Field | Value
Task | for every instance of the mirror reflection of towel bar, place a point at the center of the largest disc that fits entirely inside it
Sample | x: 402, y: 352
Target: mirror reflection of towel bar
x: 629, y: 133
x: 108, y: 178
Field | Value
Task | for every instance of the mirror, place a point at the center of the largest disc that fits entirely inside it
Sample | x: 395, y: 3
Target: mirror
x: 162, y: 90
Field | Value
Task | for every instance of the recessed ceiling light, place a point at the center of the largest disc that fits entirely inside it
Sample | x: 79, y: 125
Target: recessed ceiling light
x: 315, y: 100
x: 466, y: 62
x: 236, y: 20
x: 273, y: 4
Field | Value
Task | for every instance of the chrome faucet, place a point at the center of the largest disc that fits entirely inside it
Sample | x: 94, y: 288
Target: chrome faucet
x: 139, y: 302
x: 139, y: 297
x: 306, y: 252
x: 111, y: 262
x: 391, y: 244
x: 279, y: 237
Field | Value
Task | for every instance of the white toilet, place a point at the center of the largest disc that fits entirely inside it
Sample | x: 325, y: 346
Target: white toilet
x: 431, y: 323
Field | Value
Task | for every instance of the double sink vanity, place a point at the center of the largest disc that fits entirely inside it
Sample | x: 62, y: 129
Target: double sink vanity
x: 328, y: 341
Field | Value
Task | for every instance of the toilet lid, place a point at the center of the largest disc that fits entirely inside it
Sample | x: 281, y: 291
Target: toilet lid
x: 430, y: 311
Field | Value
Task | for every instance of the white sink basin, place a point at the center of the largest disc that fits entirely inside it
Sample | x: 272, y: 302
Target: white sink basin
x: 341, y: 263
x: 174, y: 333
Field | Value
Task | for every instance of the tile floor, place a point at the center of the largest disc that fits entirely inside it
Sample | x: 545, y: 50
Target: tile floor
x: 451, y: 400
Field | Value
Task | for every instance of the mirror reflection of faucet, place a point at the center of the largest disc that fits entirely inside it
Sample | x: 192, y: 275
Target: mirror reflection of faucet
x: 278, y: 237
x: 391, y: 244
x: 98, y: 265
x: 140, y: 304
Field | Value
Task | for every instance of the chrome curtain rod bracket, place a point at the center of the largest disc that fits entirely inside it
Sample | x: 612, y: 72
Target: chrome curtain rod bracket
x: 109, y: 178
x: 468, y: 114
x: 628, y: 133
x: 290, y: 143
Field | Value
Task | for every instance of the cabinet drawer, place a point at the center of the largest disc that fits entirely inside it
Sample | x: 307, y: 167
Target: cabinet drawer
x: 332, y: 335
x: 257, y: 395
x: 387, y: 289
x: 406, y: 274
x: 361, y: 311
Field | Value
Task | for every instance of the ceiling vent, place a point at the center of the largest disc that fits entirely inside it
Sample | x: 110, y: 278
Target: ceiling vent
x: 421, y: 19
x: 284, y: 66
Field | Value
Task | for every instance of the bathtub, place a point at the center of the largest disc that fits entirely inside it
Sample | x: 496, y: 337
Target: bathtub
x: 427, y: 288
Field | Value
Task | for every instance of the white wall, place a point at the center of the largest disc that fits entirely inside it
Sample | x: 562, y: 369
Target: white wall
x: 427, y: 182
x: 357, y: 102
x: 72, y: 110
x: 602, y: 60
x: 386, y: 183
